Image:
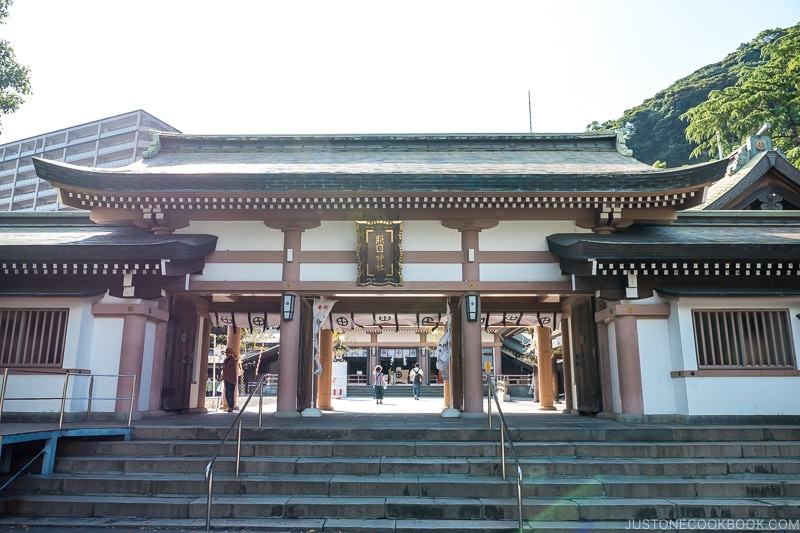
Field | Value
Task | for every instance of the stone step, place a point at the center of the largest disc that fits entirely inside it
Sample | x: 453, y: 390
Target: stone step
x: 438, y: 432
x: 574, y: 477
x: 352, y: 485
x: 787, y: 449
x: 472, y: 466
x: 270, y: 525
x: 399, y: 507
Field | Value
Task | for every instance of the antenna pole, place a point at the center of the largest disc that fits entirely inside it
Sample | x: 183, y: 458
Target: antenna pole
x: 530, y: 115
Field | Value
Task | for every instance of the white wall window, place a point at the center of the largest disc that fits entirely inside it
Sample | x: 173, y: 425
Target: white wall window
x: 32, y: 337
x: 743, y: 338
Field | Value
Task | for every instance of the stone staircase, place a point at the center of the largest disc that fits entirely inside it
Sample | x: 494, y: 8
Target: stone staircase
x: 402, y: 390
x: 416, y: 480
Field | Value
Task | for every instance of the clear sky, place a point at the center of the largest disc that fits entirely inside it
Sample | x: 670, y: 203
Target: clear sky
x: 294, y: 66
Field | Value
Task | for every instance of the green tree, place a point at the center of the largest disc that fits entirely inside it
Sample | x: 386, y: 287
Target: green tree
x: 766, y: 92
x: 655, y: 131
x: 14, y: 81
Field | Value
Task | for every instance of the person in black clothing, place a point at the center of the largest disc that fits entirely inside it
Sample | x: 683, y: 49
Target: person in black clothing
x: 230, y: 376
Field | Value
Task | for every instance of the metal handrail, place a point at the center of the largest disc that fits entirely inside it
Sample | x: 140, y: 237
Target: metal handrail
x: 64, y: 390
x: 213, y: 460
x: 505, y: 433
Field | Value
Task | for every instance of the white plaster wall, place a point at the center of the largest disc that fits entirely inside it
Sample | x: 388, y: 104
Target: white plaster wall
x: 510, y: 272
x: 240, y: 272
x: 330, y: 236
x: 743, y: 396
x: 106, y: 347
x: 676, y: 358
x: 21, y: 387
x: 616, y: 399
x: 146, y: 379
x: 731, y: 395
x: 654, y: 354
x: 398, y: 337
x: 249, y: 236
x: 198, y: 373
x: 432, y: 272
x: 77, y: 352
x: 430, y: 236
x: 328, y: 272
x: 522, y: 235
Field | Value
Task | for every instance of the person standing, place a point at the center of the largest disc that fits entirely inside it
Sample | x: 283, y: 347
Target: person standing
x: 379, y: 381
x: 416, y: 380
x: 230, y: 376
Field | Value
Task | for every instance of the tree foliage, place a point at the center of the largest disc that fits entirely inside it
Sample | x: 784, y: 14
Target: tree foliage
x: 14, y: 80
x: 767, y: 92
x: 655, y: 129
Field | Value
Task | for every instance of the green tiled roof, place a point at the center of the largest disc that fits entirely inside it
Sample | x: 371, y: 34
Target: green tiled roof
x: 728, y: 235
x: 561, y: 163
x: 74, y: 237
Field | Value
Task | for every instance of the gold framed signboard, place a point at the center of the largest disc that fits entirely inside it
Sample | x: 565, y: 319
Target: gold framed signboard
x: 380, y: 253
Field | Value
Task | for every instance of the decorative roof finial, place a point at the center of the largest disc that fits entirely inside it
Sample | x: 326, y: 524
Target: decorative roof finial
x: 622, y: 147
x: 755, y: 144
x: 155, y: 146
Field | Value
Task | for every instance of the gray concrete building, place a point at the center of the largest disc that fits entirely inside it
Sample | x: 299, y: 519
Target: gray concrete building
x: 108, y: 142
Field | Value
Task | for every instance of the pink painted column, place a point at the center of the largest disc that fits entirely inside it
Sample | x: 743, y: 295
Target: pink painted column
x: 324, y: 379
x: 544, y: 351
x: 289, y: 358
x: 130, y: 363
x: 628, y: 365
x: 135, y: 318
x: 471, y: 343
x: 288, y: 377
x: 472, y: 366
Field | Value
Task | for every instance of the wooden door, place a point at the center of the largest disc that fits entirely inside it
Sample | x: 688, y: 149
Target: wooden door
x: 305, y: 360
x: 180, y: 355
x: 585, y: 356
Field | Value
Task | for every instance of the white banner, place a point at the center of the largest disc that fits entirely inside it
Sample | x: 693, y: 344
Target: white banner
x: 322, y: 308
x: 444, y: 350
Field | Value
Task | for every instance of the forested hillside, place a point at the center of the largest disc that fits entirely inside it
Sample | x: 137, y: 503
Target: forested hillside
x: 757, y: 82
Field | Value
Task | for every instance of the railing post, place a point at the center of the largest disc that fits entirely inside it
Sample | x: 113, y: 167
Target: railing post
x: 3, y: 391
x: 503, y: 447
x: 490, y: 397
x: 260, y: 402
x: 210, y: 476
x: 91, y: 391
x: 238, y: 449
x: 519, y: 496
x: 133, y: 392
x: 63, y: 399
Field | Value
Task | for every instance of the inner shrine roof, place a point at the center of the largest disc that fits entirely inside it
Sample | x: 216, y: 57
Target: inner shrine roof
x: 590, y: 162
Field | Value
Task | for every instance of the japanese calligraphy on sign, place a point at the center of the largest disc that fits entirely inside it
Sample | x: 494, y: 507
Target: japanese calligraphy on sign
x: 380, y: 253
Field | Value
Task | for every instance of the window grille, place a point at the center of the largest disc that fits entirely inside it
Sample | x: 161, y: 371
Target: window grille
x: 32, y: 337
x: 744, y: 338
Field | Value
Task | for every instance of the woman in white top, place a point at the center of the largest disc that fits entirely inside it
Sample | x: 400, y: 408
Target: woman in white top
x: 379, y: 381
